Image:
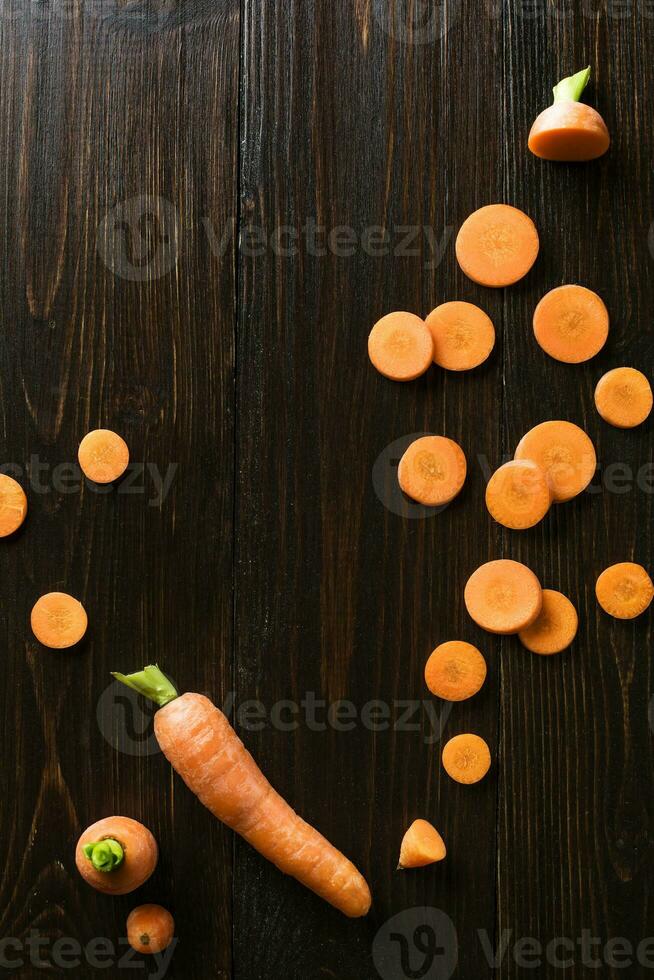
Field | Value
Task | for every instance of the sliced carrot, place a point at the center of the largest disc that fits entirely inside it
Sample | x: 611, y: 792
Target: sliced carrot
x: 466, y: 758
x: 116, y: 855
x: 497, y: 245
x: 463, y: 335
x: 13, y: 505
x: 150, y: 928
x: 421, y: 845
x: 400, y: 346
x: 571, y: 323
x: 103, y: 455
x: 455, y: 671
x: 503, y: 596
x: 58, y: 621
x: 623, y: 397
x: 518, y: 494
x: 569, y: 130
x: 564, y: 452
x: 432, y: 470
x: 555, y: 628
x: 624, y: 590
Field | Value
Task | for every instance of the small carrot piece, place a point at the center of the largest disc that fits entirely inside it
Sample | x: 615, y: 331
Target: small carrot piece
x: 400, y: 346
x: 466, y: 758
x: 571, y: 323
x: 555, y: 628
x: 564, y: 452
x: 518, y: 494
x: 623, y: 397
x: 455, y: 671
x: 503, y: 596
x: 58, y: 620
x: 421, y: 845
x: 13, y: 505
x: 150, y: 928
x: 569, y: 130
x: 463, y: 335
x: 103, y: 456
x: 497, y: 245
x: 432, y: 470
x: 115, y: 855
x: 624, y: 590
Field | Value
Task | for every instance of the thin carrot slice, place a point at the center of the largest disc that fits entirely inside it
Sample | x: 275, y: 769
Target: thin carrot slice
x: 497, y: 245
x: 564, y: 452
x: 421, y: 845
x: 624, y: 590
x: 555, y: 628
x: 432, y: 470
x: 503, y: 596
x: 13, y: 505
x: 518, y: 494
x: 58, y: 621
x: 466, y: 758
x: 571, y: 324
x: 463, y: 335
x: 455, y: 671
x: 103, y: 456
x: 623, y: 397
x: 400, y: 346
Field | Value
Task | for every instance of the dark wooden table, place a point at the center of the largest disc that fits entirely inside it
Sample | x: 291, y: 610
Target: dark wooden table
x: 192, y: 203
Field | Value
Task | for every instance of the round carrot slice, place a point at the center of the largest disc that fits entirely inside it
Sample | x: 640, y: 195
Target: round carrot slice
x: 463, y: 335
x: 518, y: 494
x: 497, y: 245
x: 455, y: 671
x: 13, y: 505
x: 466, y: 758
x: 571, y: 324
x: 58, y: 621
x: 432, y: 470
x: 623, y: 397
x: 400, y: 346
x: 103, y: 456
x: 564, y: 452
x: 624, y: 590
x: 503, y: 596
x: 555, y: 628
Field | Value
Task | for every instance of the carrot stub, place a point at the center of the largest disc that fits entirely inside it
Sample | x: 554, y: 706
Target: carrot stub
x: 497, y: 245
x: 400, y: 346
x: 421, y: 845
x: 13, y: 505
x: 571, y: 323
x: 455, y: 671
x: 503, y: 596
x: 623, y: 397
x: 150, y: 928
x: 466, y: 758
x: 115, y: 855
x: 518, y: 494
x: 555, y: 628
x: 103, y: 456
x: 432, y: 470
x: 58, y: 620
x: 624, y: 590
x: 463, y: 335
x: 568, y: 129
x: 564, y: 452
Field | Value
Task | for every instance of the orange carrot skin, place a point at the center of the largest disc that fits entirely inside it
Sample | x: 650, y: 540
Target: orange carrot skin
x: 201, y: 745
x: 141, y: 855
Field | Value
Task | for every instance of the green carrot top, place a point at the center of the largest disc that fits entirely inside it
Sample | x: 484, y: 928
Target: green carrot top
x: 105, y: 855
x: 570, y: 89
x: 151, y: 683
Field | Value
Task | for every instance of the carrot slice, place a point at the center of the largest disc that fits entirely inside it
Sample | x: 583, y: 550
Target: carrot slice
x: 518, y: 494
x: 103, y: 456
x: 564, y: 452
x: 571, y: 324
x: 623, y: 397
x: 503, y: 596
x: 463, y: 335
x: 466, y: 758
x: 555, y: 628
x: 624, y: 590
x: 497, y: 245
x: 400, y: 346
x: 569, y: 130
x: 455, y: 671
x: 432, y: 470
x: 13, y: 505
x: 421, y: 845
x: 116, y: 855
x: 150, y: 928
x: 58, y: 621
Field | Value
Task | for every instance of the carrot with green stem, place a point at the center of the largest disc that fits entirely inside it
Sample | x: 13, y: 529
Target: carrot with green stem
x: 203, y: 748
x: 569, y: 130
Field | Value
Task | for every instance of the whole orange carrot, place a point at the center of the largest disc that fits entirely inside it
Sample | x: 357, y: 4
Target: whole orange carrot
x: 201, y: 745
